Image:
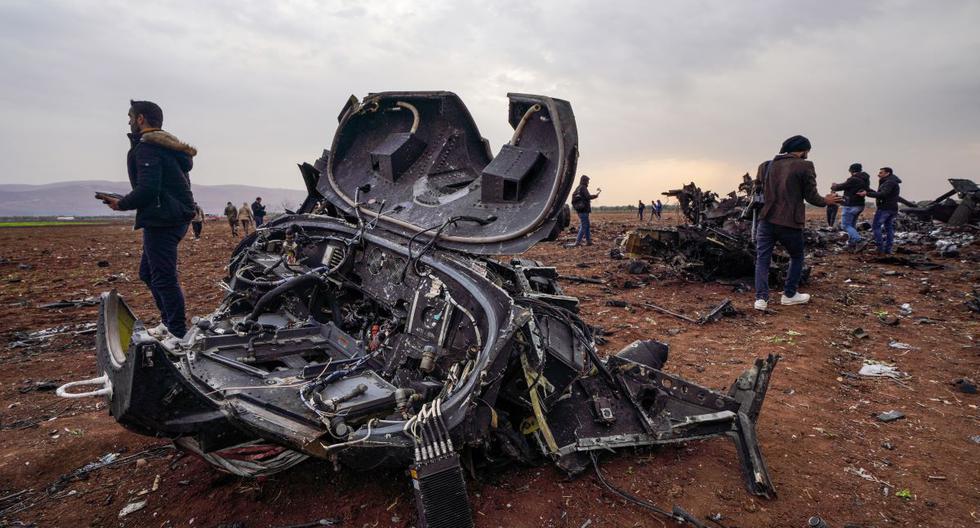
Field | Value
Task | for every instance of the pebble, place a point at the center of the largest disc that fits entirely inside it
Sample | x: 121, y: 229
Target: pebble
x: 891, y: 416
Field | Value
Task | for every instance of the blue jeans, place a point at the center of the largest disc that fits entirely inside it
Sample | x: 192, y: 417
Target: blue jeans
x: 641, y: 215
x: 884, y: 218
x: 584, y: 229
x: 158, y: 269
x: 848, y: 221
x: 767, y: 235
x: 259, y: 220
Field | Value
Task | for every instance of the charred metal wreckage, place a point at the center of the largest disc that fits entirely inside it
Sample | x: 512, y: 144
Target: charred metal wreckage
x: 374, y: 327
x: 954, y: 212
x: 716, y: 242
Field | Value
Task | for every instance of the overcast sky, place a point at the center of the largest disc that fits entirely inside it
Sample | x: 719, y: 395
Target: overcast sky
x: 663, y: 92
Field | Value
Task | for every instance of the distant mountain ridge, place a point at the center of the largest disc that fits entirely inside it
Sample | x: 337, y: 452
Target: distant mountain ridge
x: 77, y: 198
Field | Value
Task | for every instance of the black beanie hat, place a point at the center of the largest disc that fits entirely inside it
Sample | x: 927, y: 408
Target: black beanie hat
x: 795, y: 144
x: 855, y: 167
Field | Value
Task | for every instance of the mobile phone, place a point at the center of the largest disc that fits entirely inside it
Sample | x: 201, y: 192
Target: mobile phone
x: 100, y: 195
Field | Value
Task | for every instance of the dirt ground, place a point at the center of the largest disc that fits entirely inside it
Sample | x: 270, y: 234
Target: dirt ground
x: 827, y: 453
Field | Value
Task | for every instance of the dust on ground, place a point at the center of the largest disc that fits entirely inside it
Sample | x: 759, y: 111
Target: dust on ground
x: 827, y: 453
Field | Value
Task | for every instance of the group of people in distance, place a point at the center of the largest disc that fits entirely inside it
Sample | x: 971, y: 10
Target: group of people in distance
x: 249, y: 216
x: 656, y: 208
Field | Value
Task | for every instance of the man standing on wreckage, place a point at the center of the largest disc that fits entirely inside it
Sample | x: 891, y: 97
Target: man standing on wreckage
x: 158, y: 164
x: 787, y: 180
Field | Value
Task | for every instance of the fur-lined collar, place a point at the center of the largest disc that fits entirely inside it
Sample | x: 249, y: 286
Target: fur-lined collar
x: 167, y: 140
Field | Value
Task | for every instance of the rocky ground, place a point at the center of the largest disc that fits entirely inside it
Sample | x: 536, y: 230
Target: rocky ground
x: 827, y: 452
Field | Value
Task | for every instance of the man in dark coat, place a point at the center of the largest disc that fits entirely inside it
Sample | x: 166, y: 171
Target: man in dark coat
x: 886, y: 208
x: 853, y: 203
x: 258, y: 211
x: 582, y: 203
x: 641, y: 207
x: 158, y: 164
x: 787, y: 180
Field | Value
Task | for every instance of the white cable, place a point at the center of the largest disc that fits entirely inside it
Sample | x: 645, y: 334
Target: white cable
x: 332, y: 447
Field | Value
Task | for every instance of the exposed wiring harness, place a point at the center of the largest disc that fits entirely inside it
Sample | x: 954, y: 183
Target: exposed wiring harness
x: 414, y: 259
x: 429, y: 432
x: 251, y: 459
x: 579, y: 329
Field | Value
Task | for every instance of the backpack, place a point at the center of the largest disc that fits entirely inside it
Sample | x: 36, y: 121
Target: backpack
x: 579, y: 203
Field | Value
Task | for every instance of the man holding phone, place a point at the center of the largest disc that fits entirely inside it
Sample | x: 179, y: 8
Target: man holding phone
x: 582, y: 203
x: 158, y: 164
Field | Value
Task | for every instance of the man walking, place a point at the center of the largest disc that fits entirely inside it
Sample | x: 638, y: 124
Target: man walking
x: 641, y: 207
x: 582, y: 203
x: 258, y: 212
x: 158, y: 164
x: 659, y: 209
x: 787, y: 181
x: 245, y: 217
x: 853, y: 203
x: 886, y: 209
x: 197, y: 223
x: 231, y: 213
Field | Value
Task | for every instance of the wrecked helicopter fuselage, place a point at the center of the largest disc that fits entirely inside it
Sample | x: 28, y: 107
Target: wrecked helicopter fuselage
x: 375, y: 328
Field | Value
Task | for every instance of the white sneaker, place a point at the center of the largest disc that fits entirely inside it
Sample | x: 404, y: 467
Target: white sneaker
x: 761, y: 305
x: 159, y: 331
x: 799, y: 298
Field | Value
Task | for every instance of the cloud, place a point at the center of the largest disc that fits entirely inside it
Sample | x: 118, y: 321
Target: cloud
x: 709, y: 86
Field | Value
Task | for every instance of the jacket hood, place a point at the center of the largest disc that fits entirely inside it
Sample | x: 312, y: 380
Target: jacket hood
x: 891, y: 177
x: 167, y: 140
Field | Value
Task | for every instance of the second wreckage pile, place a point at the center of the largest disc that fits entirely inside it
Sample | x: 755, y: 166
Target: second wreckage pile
x: 717, y: 242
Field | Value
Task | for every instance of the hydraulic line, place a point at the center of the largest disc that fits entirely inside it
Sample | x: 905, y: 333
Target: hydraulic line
x: 519, y: 129
x: 415, y: 115
x: 311, y: 277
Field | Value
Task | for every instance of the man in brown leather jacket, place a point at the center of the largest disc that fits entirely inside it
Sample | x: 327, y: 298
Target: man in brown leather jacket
x: 787, y: 180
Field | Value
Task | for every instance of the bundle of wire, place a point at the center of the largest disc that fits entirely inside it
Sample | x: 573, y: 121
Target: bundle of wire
x: 429, y: 432
x: 250, y: 459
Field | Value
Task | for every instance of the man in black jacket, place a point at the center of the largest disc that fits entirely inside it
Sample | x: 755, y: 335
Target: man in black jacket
x: 853, y: 203
x: 258, y: 211
x: 582, y: 203
x: 886, y: 204
x: 158, y: 164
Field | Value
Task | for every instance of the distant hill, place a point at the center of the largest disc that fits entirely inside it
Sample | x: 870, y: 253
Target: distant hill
x: 77, y: 198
